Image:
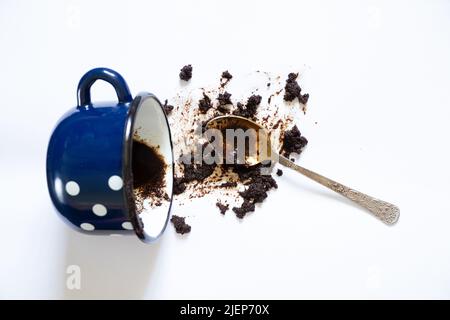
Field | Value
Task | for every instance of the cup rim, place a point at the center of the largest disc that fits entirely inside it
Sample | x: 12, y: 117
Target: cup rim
x: 128, y: 192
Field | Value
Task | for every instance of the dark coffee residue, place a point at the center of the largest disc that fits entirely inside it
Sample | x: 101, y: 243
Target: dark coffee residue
x: 192, y: 172
x: 224, y: 101
x: 204, y: 104
x: 222, y: 207
x: 167, y: 108
x: 149, y: 170
x: 229, y: 184
x: 251, y: 107
x: 293, y: 142
x: 292, y: 89
x: 226, y: 77
x: 186, y: 73
x: 256, y: 184
x: 180, y: 224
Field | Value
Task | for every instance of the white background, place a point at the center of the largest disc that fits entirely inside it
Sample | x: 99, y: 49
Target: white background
x: 379, y: 77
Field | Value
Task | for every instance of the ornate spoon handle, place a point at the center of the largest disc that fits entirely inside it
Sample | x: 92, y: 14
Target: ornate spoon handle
x: 385, y: 211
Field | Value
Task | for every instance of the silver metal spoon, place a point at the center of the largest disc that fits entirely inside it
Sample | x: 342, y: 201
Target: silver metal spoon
x: 385, y: 211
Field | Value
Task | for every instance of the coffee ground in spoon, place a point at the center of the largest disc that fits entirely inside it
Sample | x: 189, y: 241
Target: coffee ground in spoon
x: 180, y: 224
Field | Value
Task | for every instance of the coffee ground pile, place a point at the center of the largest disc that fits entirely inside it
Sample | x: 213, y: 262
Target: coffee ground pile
x: 257, y: 184
x: 293, y: 142
x: 241, y: 185
x: 204, y: 104
x: 224, y: 100
x: 149, y: 170
x: 257, y: 187
x: 222, y: 207
x: 250, y: 108
x: 186, y: 73
x: 180, y: 225
x: 293, y: 90
x: 226, y: 77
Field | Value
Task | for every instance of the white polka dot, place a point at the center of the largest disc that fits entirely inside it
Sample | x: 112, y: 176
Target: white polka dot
x: 87, y: 226
x: 115, y: 183
x: 72, y: 188
x: 99, y: 210
x: 127, y: 226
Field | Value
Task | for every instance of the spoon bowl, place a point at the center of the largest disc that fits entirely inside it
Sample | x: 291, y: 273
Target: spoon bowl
x: 258, y: 147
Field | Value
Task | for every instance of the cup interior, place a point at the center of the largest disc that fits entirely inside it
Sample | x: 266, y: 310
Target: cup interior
x: 151, y: 129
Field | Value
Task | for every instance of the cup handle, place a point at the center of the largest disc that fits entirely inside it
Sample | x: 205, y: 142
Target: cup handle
x: 108, y: 75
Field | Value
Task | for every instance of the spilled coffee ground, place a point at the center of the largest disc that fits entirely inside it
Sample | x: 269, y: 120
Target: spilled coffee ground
x: 293, y: 142
x: 226, y: 77
x: 204, y: 104
x: 180, y: 225
x: 222, y: 207
x: 250, y: 109
x: 167, y: 108
x: 186, y: 73
x: 258, y: 185
x: 292, y: 89
x: 238, y: 189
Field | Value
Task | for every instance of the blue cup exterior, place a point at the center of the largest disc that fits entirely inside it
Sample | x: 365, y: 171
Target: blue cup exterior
x: 87, y: 173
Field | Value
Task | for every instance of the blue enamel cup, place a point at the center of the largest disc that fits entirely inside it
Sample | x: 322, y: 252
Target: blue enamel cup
x: 89, y: 161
